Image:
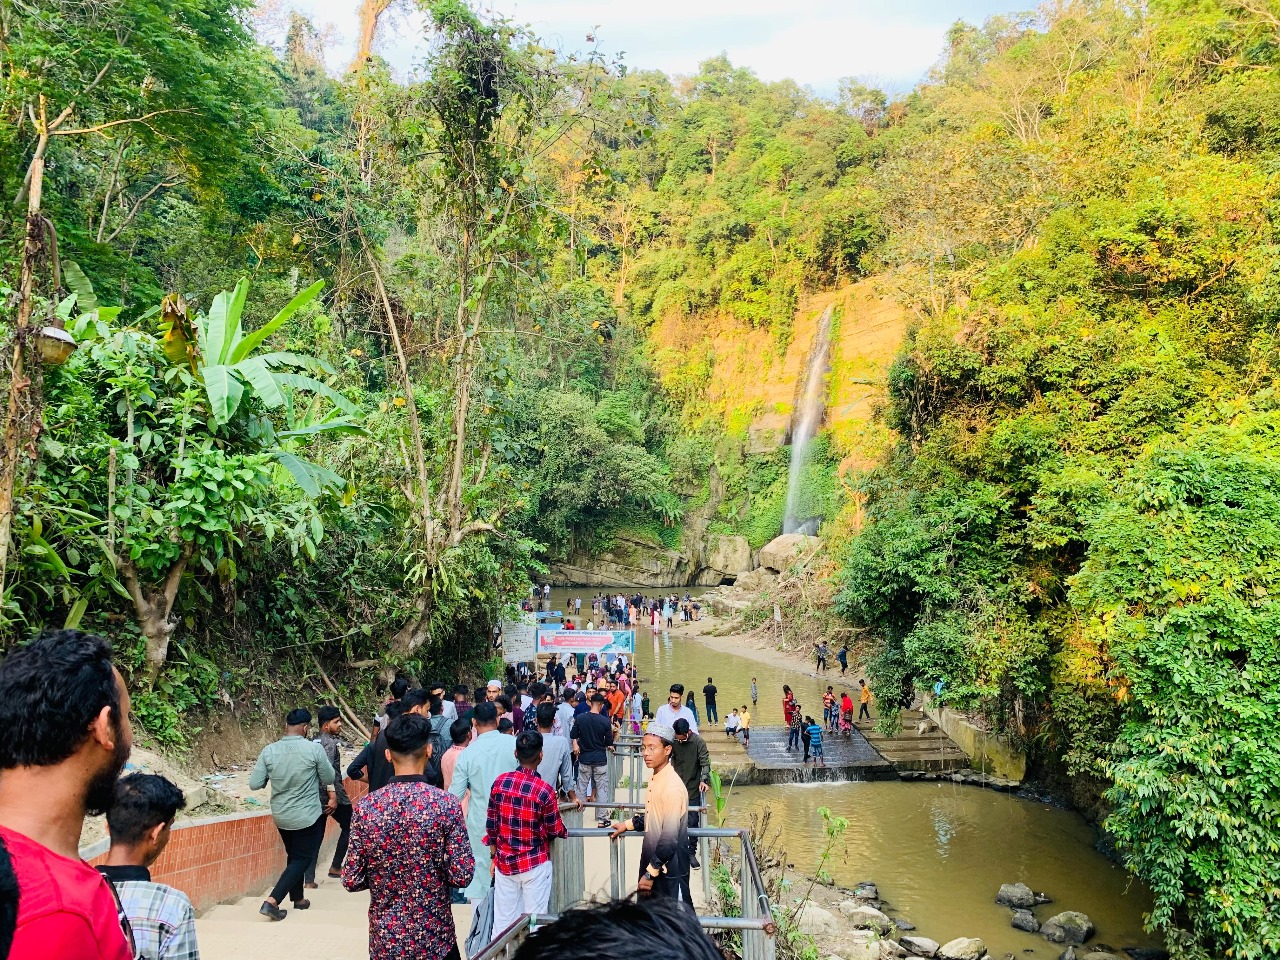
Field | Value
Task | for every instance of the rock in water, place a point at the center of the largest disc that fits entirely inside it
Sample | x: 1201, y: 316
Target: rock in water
x: 903, y: 924
x: 1068, y: 954
x: 1100, y: 955
x: 817, y: 922
x: 1023, y: 920
x: 866, y: 891
x: 1070, y: 926
x: 963, y: 948
x: 862, y: 917
x: 920, y: 946
x: 1017, y: 895
x: 1043, y: 898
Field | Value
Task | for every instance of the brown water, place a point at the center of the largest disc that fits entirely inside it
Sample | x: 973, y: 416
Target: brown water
x: 937, y: 851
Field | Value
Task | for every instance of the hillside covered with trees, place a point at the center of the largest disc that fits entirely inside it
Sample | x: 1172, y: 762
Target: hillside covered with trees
x: 358, y: 356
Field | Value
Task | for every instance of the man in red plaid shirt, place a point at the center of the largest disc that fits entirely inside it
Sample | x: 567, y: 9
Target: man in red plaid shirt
x: 524, y: 817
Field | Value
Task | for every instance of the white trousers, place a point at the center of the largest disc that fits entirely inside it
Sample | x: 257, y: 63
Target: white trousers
x: 518, y: 894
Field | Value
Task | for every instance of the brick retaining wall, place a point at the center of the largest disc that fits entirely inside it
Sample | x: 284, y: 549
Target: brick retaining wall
x: 217, y: 859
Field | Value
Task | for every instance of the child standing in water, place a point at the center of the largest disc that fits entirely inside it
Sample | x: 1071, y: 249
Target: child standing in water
x: 754, y: 692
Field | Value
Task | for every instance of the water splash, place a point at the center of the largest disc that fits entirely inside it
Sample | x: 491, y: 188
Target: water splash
x: 805, y: 423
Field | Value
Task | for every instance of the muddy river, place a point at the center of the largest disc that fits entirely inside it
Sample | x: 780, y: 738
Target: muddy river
x: 938, y: 851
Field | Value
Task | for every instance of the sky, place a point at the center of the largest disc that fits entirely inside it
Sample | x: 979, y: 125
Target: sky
x: 891, y: 43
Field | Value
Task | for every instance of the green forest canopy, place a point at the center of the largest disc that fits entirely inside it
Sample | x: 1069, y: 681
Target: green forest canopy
x: 1072, y: 531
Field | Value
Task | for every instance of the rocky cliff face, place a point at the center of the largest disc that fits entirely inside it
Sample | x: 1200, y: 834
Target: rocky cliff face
x: 636, y: 562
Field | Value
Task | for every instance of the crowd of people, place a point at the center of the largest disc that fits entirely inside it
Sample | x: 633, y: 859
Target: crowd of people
x: 618, y: 611
x: 464, y: 800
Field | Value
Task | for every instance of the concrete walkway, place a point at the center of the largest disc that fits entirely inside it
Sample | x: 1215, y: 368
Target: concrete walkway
x: 336, y: 927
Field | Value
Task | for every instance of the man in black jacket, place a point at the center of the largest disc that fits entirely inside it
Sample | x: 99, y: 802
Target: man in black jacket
x: 691, y: 759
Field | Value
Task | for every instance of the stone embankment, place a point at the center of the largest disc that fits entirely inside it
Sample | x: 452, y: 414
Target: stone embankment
x: 858, y: 925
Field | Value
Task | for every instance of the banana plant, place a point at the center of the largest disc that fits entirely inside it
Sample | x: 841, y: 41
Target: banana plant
x: 231, y: 367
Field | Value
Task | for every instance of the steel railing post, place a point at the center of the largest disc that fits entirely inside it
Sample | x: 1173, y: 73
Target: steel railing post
x: 704, y: 854
x: 748, y: 902
x: 615, y: 871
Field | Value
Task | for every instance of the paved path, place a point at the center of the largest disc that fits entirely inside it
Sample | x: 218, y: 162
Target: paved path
x: 337, y: 925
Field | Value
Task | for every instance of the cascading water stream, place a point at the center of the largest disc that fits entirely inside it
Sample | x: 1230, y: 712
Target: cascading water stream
x: 805, y: 423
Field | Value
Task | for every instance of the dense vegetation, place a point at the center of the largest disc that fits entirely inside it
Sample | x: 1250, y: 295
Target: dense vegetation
x: 353, y: 369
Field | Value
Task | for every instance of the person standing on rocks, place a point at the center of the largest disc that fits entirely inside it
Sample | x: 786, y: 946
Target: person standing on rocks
x: 298, y: 770
x: 664, y: 857
x: 843, y: 656
x: 64, y: 710
x: 409, y: 848
x: 709, y: 694
x: 692, y: 761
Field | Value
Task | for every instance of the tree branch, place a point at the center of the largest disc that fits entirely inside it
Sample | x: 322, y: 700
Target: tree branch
x: 98, y: 128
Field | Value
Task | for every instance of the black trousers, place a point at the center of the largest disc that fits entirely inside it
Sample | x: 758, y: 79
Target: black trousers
x: 300, y: 849
x: 342, y: 816
x: 863, y: 711
x: 674, y: 888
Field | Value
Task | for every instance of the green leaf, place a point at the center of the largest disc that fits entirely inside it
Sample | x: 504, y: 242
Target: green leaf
x: 76, y: 613
x: 223, y: 331
x: 224, y: 390
x: 251, y: 342
x: 263, y: 381
x: 79, y: 284
x: 332, y: 426
x: 312, y: 478
x: 300, y: 381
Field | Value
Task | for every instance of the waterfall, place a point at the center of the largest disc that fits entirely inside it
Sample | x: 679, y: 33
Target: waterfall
x: 805, y: 422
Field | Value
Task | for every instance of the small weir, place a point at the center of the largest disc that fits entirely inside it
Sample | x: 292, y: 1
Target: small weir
x: 846, y: 759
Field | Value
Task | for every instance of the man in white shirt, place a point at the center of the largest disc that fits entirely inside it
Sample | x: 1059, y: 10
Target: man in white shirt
x: 674, y: 709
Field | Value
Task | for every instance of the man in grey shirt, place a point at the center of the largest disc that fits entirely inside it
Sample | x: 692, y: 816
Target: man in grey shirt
x: 557, y: 756
x: 297, y: 770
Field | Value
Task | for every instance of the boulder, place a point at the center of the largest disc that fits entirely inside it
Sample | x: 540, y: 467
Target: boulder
x: 817, y: 922
x: 920, y: 946
x: 891, y: 950
x: 866, y: 891
x: 1017, y: 895
x: 962, y: 948
x: 1043, y: 898
x: 1070, y: 926
x: 1068, y: 954
x: 781, y: 552
x: 862, y: 917
x: 903, y: 924
x: 1023, y: 920
x: 728, y: 555
x: 860, y: 945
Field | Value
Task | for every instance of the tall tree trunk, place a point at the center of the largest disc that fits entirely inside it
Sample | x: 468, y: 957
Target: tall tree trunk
x: 153, y: 606
x: 19, y: 380
x: 370, y: 11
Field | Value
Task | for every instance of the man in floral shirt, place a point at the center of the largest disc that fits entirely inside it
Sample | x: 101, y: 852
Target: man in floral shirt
x: 408, y: 847
x: 523, y: 820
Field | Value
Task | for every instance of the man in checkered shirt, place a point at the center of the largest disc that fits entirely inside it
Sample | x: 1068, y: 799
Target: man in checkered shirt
x: 163, y: 922
x: 523, y: 819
